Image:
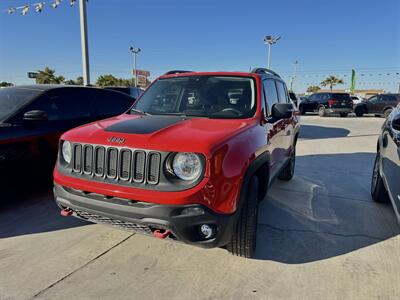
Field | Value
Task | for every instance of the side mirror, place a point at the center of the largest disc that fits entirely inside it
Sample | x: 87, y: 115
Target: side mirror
x: 282, y: 110
x: 396, y: 123
x: 35, y: 116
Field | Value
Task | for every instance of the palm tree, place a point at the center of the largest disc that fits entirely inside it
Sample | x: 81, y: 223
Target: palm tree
x: 313, y: 89
x: 107, y: 80
x: 48, y: 76
x: 331, y: 81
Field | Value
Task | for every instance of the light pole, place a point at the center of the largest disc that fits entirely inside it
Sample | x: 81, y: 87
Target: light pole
x: 135, y: 52
x: 84, y: 42
x: 270, y: 40
x: 294, y: 74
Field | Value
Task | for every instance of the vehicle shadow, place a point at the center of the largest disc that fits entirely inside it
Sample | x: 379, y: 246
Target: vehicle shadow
x: 315, y: 132
x: 318, y: 216
x: 31, y: 209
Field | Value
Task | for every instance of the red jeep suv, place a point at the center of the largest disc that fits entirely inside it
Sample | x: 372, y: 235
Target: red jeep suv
x: 190, y: 161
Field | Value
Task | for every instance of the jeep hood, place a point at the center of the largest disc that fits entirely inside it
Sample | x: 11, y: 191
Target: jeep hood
x: 157, y: 132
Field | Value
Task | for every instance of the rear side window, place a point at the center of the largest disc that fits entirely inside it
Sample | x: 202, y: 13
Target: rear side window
x: 283, y: 97
x: 389, y: 98
x: 109, y: 103
x: 271, y: 94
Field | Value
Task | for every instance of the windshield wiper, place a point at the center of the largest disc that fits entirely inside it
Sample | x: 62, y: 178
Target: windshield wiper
x: 139, y: 112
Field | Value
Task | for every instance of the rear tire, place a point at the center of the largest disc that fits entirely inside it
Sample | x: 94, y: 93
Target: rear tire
x: 387, y: 112
x: 378, y: 190
x: 344, y: 115
x: 243, y: 242
x: 288, y: 171
x: 322, y: 111
x: 359, y: 111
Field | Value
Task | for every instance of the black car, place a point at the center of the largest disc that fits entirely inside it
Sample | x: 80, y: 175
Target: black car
x: 327, y: 103
x: 134, y: 92
x: 379, y: 105
x: 385, y: 185
x: 32, y: 118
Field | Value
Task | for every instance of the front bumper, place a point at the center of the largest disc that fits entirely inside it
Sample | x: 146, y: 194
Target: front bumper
x: 146, y: 218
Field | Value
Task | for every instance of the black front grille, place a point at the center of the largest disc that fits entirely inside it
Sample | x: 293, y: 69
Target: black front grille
x: 135, y: 227
x: 120, y: 164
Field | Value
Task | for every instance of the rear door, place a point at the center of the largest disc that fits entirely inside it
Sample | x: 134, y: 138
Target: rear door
x: 391, y: 158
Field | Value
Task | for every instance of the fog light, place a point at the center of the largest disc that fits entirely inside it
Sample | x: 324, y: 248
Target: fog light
x: 206, y: 231
x: 192, y: 211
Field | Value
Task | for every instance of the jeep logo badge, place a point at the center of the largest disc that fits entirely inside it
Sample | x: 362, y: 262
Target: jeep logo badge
x: 114, y: 139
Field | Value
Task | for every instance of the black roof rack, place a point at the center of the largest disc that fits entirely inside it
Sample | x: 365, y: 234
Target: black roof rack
x: 265, y: 71
x: 176, y: 72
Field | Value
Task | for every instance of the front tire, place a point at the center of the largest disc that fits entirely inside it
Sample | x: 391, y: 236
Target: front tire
x: 378, y: 190
x: 322, y: 111
x: 243, y: 242
x: 288, y: 171
x: 387, y: 112
x: 359, y: 111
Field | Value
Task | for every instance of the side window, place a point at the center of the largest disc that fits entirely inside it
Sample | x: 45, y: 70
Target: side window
x: 313, y: 97
x: 373, y: 99
x: 108, y: 103
x: 271, y: 94
x: 283, y: 96
x: 63, y: 105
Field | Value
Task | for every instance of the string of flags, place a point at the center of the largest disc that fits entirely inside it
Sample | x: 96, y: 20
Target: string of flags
x: 38, y: 7
x: 347, y: 75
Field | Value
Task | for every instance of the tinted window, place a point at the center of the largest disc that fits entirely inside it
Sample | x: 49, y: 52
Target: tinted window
x: 390, y: 98
x: 109, y: 103
x: 341, y: 96
x: 271, y: 94
x: 11, y: 99
x: 283, y: 97
x: 208, y: 96
x: 313, y: 97
x: 63, y: 104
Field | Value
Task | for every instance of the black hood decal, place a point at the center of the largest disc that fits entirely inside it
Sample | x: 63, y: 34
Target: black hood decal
x: 145, y: 124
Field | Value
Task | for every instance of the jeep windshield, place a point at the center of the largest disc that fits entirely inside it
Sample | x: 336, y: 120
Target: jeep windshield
x: 11, y: 99
x: 224, y: 97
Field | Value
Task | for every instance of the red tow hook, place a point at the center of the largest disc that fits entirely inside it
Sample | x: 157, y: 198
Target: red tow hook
x: 161, y: 235
x: 66, y: 212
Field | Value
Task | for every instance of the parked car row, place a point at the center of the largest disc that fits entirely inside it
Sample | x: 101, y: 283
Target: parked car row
x: 344, y: 104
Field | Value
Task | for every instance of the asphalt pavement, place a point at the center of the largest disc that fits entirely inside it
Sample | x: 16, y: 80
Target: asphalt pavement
x: 320, y: 236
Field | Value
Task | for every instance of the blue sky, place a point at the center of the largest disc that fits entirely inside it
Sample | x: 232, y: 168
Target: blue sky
x: 326, y: 37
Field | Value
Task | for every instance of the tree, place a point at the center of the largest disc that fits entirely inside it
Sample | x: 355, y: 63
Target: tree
x: 111, y: 80
x: 107, y: 80
x: 313, y: 89
x: 48, y: 76
x: 78, y: 81
x: 4, y: 84
x: 331, y: 81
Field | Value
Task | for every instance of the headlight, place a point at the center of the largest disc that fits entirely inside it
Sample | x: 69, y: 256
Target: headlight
x: 66, y: 151
x: 187, y: 166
